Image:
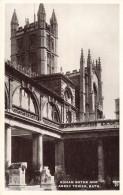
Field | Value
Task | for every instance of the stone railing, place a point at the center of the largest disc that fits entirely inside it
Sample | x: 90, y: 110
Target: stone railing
x: 24, y: 112
x: 23, y: 70
x: 51, y: 123
x: 101, y: 124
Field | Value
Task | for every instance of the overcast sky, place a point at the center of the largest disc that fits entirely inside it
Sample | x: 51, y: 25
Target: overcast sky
x: 94, y: 27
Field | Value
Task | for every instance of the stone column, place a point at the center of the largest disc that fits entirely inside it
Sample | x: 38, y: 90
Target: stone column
x: 40, y: 152
x: 59, y: 159
x: 34, y: 152
x: 7, y: 146
x: 37, y: 159
x: 100, y: 161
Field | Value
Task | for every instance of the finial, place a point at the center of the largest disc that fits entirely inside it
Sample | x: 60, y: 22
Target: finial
x: 41, y: 8
x: 81, y: 52
x: 34, y: 15
x: 53, y: 17
x: 82, y: 56
x: 61, y: 69
x: 89, y: 53
x: 27, y: 21
x: 96, y: 62
x: 14, y: 17
x: 99, y: 60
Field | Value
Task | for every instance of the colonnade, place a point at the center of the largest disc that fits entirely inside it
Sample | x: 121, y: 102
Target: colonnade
x: 37, y: 153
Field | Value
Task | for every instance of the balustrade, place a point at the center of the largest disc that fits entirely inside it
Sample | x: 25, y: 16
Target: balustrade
x: 24, y: 70
x: 51, y: 123
x: 23, y: 112
x: 92, y: 124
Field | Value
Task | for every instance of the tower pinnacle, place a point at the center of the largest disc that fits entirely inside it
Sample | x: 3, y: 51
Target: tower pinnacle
x: 89, y: 54
x: 14, y: 21
x: 41, y: 16
x: 14, y: 17
x: 89, y: 62
x: 82, y: 87
x: 82, y: 56
x: 41, y: 8
x: 99, y: 60
x: 53, y: 17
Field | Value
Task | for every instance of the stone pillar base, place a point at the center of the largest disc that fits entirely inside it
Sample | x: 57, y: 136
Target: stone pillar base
x: 17, y: 174
x: 59, y: 173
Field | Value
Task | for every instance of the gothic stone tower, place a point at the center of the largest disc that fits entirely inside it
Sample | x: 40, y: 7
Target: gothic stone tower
x: 89, y: 99
x: 35, y: 45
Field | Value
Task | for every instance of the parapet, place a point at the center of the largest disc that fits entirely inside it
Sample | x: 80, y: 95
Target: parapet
x: 25, y: 70
x: 73, y: 73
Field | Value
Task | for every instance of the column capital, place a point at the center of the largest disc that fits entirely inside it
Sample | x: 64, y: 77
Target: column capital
x: 37, y: 134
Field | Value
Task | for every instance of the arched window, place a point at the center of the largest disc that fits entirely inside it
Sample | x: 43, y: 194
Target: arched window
x: 6, y: 101
x: 95, y: 98
x: 24, y: 99
x: 50, y: 111
x: 68, y: 96
x: 52, y: 45
x: 69, y: 118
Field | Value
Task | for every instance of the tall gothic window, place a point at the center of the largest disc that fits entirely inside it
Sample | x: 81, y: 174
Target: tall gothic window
x: 48, y: 42
x: 48, y: 64
x: 95, y: 99
x: 52, y: 45
x: 50, y: 111
x: 31, y: 41
x: 19, y: 44
x: 6, y: 101
x: 52, y: 64
x: 69, y: 117
x: 20, y: 60
x: 23, y: 99
x: 32, y: 61
x: 68, y: 96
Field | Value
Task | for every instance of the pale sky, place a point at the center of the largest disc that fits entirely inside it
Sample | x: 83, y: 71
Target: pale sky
x: 87, y: 26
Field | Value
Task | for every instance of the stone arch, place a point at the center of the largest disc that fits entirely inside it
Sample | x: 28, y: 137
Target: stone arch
x: 45, y: 112
x: 68, y: 96
x: 32, y: 96
x: 95, y: 91
x: 6, y: 97
x: 95, y: 87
